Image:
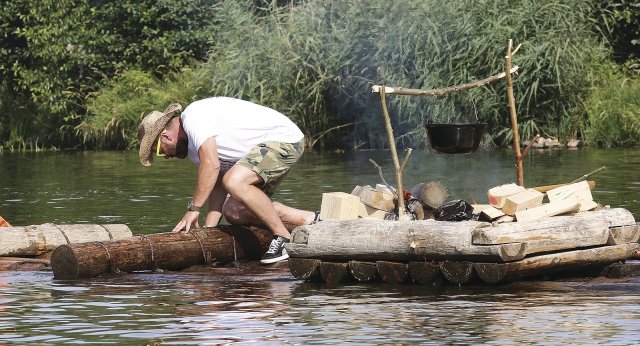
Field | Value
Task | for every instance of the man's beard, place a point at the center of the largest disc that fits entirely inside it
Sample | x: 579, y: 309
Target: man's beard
x: 182, y: 148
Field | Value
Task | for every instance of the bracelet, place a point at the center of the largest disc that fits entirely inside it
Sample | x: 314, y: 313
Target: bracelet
x: 192, y: 207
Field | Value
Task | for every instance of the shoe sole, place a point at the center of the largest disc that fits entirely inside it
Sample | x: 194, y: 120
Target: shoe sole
x: 275, y: 259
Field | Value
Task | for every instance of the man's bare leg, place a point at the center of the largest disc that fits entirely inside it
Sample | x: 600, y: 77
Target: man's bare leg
x: 236, y: 213
x: 240, y: 182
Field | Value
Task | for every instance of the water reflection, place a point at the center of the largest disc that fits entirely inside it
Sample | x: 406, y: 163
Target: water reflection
x: 112, y: 187
x: 248, y: 303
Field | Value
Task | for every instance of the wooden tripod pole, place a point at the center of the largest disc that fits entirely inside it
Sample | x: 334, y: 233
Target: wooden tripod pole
x: 514, y: 116
x: 394, y: 155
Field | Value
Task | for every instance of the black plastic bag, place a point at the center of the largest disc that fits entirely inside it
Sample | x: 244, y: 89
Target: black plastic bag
x: 457, y: 210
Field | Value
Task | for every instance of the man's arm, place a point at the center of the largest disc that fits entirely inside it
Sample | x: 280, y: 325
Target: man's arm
x: 207, y: 176
x: 217, y: 198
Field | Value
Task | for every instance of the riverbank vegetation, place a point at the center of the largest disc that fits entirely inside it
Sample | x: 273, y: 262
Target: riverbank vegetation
x: 81, y: 73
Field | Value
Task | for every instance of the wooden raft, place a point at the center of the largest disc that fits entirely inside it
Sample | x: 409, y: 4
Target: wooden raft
x: 160, y: 251
x: 429, y: 251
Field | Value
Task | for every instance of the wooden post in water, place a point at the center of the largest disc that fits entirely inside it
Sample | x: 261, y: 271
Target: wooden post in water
x: 514, y: 116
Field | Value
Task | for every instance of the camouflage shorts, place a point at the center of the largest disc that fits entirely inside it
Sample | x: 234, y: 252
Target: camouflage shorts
x: 272, y: 161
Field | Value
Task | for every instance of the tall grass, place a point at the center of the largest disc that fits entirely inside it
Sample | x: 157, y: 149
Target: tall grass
x: 613, y: 110
x: 316, y: 62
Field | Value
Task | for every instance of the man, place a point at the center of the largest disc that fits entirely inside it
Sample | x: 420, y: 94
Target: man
x: 242, y: 150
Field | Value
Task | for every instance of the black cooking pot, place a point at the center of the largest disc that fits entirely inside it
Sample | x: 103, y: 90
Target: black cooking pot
x: 455, y: 138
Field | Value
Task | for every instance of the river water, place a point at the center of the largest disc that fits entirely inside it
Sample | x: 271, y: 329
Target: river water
x: 246, y: 303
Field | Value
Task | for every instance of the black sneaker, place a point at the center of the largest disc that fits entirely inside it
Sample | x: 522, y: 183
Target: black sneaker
x: 276, y: 251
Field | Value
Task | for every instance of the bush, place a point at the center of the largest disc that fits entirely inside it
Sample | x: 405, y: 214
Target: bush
x: 613, y: 110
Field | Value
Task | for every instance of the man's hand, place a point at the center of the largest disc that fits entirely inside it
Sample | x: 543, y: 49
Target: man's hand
x: 189, y: 219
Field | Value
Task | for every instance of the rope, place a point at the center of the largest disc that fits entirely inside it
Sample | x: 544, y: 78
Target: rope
x: 64, y: 234
x: 204, y: 255
x: 153, y: 258
x: 112, y: 268
x: 108, y: 232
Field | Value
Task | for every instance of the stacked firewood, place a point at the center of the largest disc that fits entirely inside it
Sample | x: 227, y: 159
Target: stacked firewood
x: 511, y: 202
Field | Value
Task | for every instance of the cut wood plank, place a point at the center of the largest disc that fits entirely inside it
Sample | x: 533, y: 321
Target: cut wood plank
x: 579, y: 192
x: 367, y: 212
x: 376, y: 198
x: 339, y: 206
x: 522, y: 200
x: 392, y: 272
x: 497, y: 195
x: 363, y: 271
x: 305, y: 269
x: 504, y: 219
x: 491, y: 213
x: 478, y: 208
x: 552, y: 263
x: 549, y: 209
x: 545, y: 188
x: 426, y: 273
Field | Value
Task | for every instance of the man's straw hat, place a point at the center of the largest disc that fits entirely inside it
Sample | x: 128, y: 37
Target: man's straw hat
x: 150, y: 128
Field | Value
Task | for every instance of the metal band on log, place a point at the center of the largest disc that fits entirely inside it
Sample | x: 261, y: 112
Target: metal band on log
x: 563, y: 261
x: 169, y: 251
x: 35, y: 240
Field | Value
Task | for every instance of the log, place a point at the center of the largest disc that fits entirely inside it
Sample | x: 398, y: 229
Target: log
x: 623, y: 234
x: 392, y: 272
x: 557, y: 233
x: 374, y: 240
x: 17, y: 265
x: 334, y: 273
x: 166, y: 251
x: 457, y: 272
x: 426, y: 273
x: 305, y: 268
x: 363, y: 271
x: 35, y: 240
x: 622, y: 270
x: 432, y: 194
x: 553, y: 263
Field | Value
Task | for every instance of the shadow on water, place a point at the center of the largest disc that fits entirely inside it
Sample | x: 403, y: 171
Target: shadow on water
x: 249, y: 303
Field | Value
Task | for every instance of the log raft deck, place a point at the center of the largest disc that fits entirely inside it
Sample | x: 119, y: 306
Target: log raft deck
x: 428, y: 251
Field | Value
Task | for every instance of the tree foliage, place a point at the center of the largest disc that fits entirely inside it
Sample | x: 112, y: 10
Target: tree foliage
x: 56, y: 52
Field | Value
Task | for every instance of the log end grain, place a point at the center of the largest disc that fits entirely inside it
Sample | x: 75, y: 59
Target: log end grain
x: 64, y: 263
x: 426, y: 273
x: 335, y: 273
x: 491, y: 272
x: 363, y: 271
x: 457, y: 272
x: 392, y: 272
x: 305, y: 268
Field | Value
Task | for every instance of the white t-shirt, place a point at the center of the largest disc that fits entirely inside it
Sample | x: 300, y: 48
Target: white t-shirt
x: 238, y: 126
